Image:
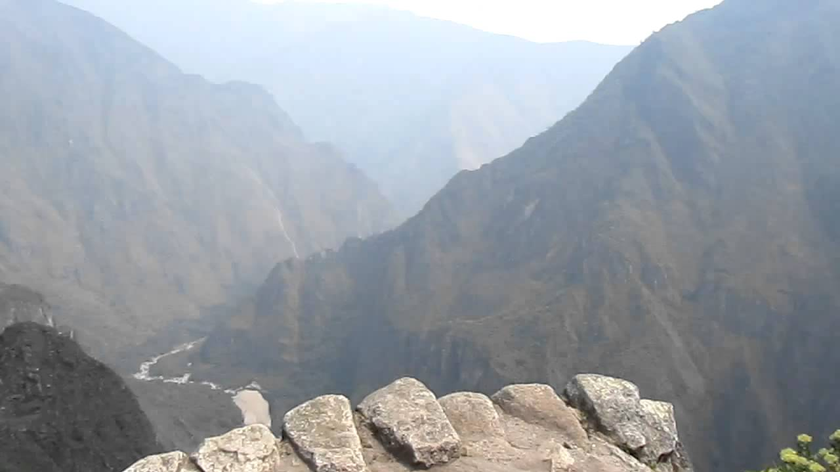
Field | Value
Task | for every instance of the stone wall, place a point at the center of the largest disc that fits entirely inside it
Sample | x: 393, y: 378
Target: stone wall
x: 599, y: 424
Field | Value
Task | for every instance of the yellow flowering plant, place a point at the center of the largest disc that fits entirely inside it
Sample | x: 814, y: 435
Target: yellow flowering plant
x: 801, y: 459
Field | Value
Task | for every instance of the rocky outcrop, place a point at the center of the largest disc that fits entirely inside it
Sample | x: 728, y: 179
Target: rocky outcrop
x: 63, y: 411
x: 401, y: 427
x: 410, y: 422
x: 169, y: 462
x: 472, y: 415
x: 644, y: 428
x: 539, y: 404
x: 324, y: 434
x: 249, y: 449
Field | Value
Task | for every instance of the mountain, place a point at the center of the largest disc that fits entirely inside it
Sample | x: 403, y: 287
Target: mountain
x: 133, y: 194
x: 61, y: 410
x: 403, y: 426
x: 680, y: 229
x: 412, y: 100
x: 19, y: 304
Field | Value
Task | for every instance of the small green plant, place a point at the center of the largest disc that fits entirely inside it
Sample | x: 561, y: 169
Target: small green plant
x: 802, y: 459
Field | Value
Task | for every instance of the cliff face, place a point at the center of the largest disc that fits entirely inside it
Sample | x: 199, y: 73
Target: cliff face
x: 62, y: 411
x: 599, y: 425
x: 679, y: 229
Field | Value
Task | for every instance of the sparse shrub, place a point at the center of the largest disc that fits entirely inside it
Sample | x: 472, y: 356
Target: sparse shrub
x: 802, y: 459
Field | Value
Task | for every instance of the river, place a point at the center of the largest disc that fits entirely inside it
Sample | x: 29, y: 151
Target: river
x: 249, y: 399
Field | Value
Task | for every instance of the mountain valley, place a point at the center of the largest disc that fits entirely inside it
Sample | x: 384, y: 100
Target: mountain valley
x: 411, y: 100
x: 256, y: 305
x: 677, y: 230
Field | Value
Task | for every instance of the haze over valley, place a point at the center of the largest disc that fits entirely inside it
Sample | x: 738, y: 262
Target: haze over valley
x: 410, y: 100
x: 343, y: 237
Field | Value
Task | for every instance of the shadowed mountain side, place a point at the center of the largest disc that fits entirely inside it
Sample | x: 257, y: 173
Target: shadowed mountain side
x: 679, y: 229
x: 62, y: 411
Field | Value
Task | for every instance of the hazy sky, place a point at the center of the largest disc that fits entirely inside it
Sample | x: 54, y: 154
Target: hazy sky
x: 603, y: 21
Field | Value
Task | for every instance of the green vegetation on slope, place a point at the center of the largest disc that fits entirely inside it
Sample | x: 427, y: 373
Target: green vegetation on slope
x: 802, y: 458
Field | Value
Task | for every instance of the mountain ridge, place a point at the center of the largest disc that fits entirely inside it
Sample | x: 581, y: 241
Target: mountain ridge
x: 676, y: 229
x: 411, y: 100
x: 135, y: 195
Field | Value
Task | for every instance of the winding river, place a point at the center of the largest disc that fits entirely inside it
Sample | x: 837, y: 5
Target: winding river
x: 249, y: 399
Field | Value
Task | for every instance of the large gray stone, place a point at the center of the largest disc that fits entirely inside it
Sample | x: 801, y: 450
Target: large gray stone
x: 324, y: 434
x: 661, y: 427
x: 646, y: 429
x: 169, y: 462
x: 411, y: 424
x: 539, y: 404
x: 473, y: 416
x: 249, y: 449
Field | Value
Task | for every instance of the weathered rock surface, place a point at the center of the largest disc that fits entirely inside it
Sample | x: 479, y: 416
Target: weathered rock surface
x: 647, y: 429
x: 539, y: 404
x: 402, y: 427
x: 324, y: 434
x: 411, y: 423
x: 604, y: 456
x: 561, y: 461
x: 478, y: 423
x: 661, y: 432
x: 472, y: 415
x: 249, y: 449
x: 170, y: 462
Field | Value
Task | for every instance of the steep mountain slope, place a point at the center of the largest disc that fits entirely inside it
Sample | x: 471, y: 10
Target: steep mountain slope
x: 133, y: 194
x: 412, y: 100
x: 680, y: 229
x: 62, y: 411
